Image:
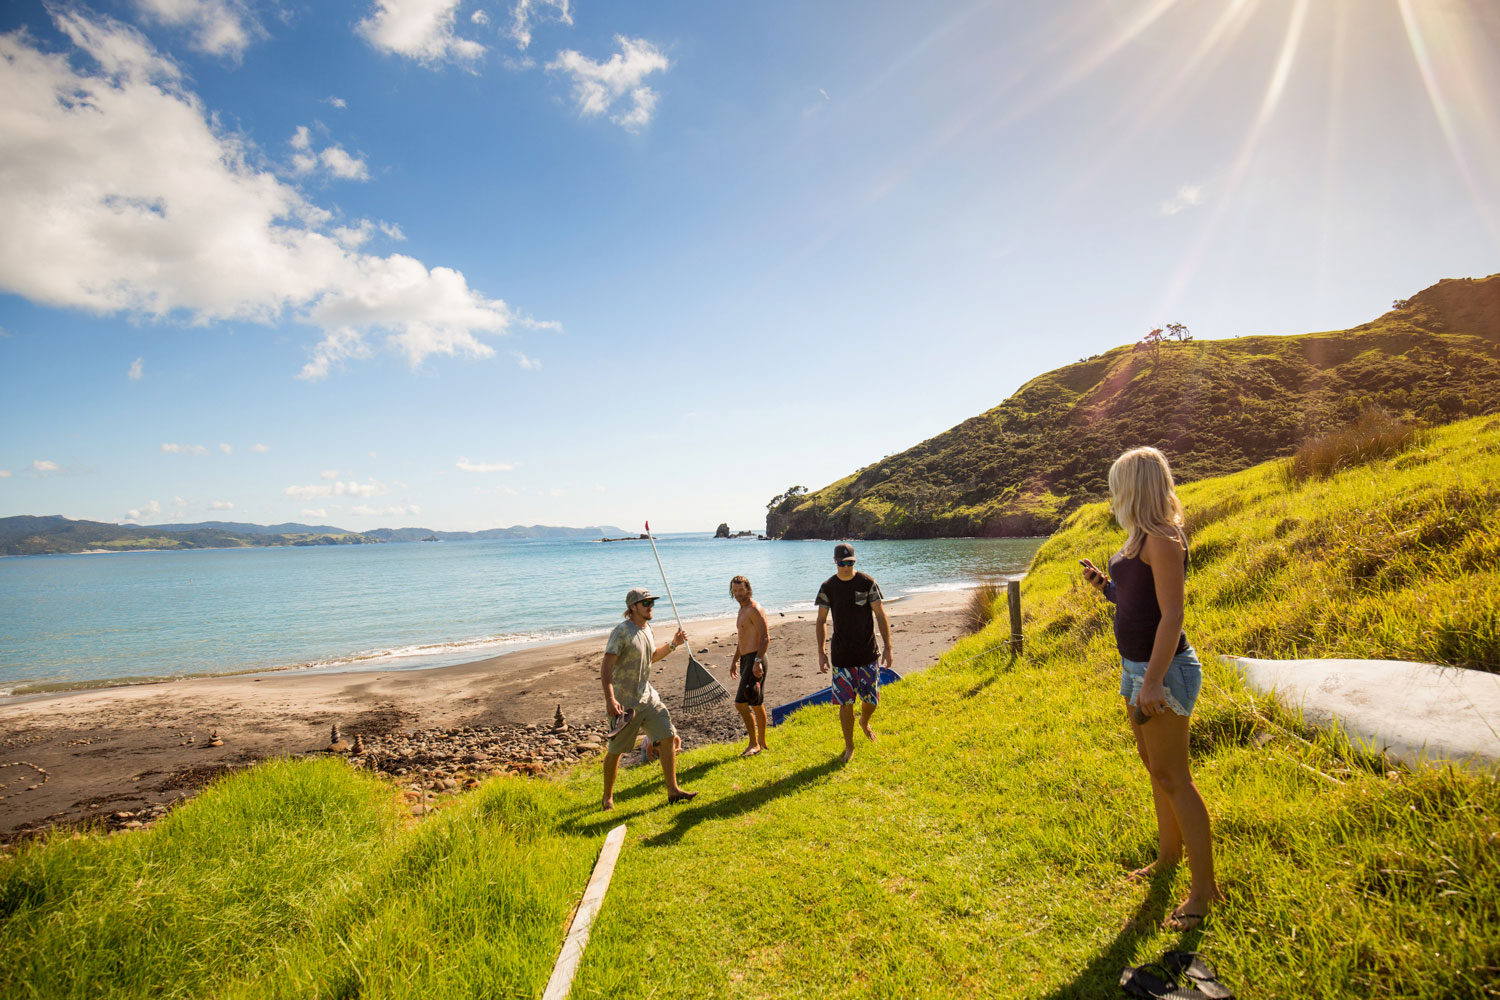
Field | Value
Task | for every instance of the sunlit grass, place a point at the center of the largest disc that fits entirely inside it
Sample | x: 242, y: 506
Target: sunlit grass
x: 978, y: 849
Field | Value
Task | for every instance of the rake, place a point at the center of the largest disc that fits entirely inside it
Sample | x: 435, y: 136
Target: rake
x: 702, y: 689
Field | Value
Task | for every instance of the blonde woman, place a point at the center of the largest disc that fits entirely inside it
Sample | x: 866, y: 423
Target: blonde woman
x: 1160, y: 676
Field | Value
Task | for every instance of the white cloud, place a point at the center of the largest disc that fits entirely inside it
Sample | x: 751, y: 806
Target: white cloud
x: 149, y: 509
x: 480, y: 18
x: 528, y: 363
x: 522, y: 14
x: 219, y: 27
x: 221, y: 505
x: 468, y: 466
x: 330, y: 473
x: 337, y: 102
x: 334, y: 159
x: 4, y: 473
x: 418, y: 29
x: 128, y: 198
x: 179, y: 502
x: 340, y: 489
x: 184, y: 449
x: 314, y: 512
x: 600, y: 86
x: 1187, y: 196
x: 262, y: 448
x: 393, y: 510
x: 601, y: 488
x: 227, y: 449
x: 136, y: 368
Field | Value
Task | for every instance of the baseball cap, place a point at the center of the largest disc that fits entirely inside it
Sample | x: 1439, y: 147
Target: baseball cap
x: 842, y: 551
x: 639, y: 594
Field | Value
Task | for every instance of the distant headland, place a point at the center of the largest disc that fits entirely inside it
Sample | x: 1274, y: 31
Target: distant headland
x: 55, y: 534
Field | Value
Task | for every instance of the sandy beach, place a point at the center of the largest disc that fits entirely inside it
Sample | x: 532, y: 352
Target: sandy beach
x: 90, y: 755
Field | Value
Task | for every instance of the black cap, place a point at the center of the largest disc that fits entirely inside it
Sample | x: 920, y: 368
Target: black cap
x: 842, y: 551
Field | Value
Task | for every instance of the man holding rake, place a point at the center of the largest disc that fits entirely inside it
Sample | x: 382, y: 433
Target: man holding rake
x: 634, y: 705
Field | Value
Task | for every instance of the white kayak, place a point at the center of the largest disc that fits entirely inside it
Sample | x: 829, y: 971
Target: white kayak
x: 1417, y: 713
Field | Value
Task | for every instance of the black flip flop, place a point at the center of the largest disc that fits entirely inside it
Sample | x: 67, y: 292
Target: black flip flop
x: 621, y: 721
x: 1143, y: 981
x: 1193, y: 967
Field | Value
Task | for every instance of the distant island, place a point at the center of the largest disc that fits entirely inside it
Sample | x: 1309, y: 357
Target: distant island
x: 51, y: 535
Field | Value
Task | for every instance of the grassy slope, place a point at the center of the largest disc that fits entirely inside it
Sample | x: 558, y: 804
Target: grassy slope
x: 1214, y: 406
x: 977, y: 849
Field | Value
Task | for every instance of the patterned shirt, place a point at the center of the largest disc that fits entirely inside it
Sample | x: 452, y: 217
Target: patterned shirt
x: 633, y: 646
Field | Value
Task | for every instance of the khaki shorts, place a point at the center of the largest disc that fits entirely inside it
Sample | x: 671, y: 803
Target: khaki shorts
x: 650, y: 715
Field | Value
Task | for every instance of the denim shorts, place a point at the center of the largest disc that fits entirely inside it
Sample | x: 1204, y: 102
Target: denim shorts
x: 1183, y: 681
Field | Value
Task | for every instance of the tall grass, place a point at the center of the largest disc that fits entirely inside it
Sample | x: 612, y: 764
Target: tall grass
x: 977, y: 849
x: 981, y: 606
x: 1373, y: 435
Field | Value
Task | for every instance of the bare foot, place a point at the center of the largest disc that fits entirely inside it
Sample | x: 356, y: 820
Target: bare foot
x: 607, y: 805
x: 1189, y: 916
x: 848, y: 755
x: 1150, y: 871
x: 868, y: 731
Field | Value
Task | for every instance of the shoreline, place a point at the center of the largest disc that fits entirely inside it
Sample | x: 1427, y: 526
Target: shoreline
x: 92, y: 754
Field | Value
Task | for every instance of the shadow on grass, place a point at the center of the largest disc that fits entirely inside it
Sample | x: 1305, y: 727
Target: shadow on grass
x: 992, y: 676
x: 575, y: 820
x: 696, y: 812
x: 1101, y: 977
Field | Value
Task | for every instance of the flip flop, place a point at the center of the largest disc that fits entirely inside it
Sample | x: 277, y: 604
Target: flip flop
x: 1193, y: 966
x: 1145, y: 983
x: 621, y: 722
x: 1184, y: 921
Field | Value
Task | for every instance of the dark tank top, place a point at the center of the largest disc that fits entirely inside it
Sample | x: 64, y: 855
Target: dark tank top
x: 1136, y: 612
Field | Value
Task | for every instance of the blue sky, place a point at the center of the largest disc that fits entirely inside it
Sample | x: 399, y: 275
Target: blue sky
x: 470, y: 264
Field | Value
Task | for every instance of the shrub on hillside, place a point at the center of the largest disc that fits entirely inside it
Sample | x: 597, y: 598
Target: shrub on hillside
x: 980, y: 610
x: 1373, y: 435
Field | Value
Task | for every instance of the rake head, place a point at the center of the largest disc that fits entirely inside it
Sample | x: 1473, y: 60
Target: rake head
x: 702, y: 690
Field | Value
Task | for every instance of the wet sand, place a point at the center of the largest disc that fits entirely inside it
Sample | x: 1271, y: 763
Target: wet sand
x: 84, y: 756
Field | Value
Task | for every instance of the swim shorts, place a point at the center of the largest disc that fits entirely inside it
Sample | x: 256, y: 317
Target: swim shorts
x: 1183, y: 681
x: 752, y: 690
x: 851, y: 681
x: 650, y: 715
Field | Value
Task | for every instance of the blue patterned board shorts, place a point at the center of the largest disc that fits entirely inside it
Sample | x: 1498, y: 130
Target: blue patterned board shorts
x: 1183, y: 681
x: 851, y: 681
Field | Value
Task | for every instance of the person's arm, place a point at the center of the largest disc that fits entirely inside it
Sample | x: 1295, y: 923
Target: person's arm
x: 662, y: 652
x: 1164, y: 556
x: 758, y: 616
x: 822, y: 639
x: 1097, y: 579
x: 885, y: 632
x: 607, y: 678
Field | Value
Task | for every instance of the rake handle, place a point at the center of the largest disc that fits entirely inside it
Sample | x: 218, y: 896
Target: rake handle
x: 670, y: 599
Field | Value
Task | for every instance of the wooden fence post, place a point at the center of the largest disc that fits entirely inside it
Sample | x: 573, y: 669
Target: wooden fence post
x: 1013, y: 598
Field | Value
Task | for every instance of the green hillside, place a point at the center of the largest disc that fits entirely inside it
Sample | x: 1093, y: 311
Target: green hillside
x: 25, y: 535
x: 978, y: 849
x: 1213, y: 406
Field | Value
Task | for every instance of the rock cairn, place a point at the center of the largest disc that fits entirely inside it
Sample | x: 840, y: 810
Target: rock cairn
x: 558, y: 722
x: 336, y: 742
x: 214, y: 740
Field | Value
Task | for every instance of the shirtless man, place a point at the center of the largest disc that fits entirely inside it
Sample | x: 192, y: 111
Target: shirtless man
x: 750, y: 661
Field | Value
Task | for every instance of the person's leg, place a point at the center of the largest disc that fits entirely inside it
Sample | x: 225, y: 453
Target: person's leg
x: 846, y: 720
x: 869, y: 693
x: 611, y: 768
x: 1166, y: 741
x: 1168, y: 836
x: 668, y: 750
x: 759, y: 712
x: 748, y: 718
x: 865, y: 711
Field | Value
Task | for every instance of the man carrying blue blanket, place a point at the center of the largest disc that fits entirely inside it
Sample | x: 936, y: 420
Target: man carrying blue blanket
x: 855, y: 602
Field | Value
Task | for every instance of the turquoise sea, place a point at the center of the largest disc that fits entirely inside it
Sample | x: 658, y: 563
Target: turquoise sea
x: 84, y: 619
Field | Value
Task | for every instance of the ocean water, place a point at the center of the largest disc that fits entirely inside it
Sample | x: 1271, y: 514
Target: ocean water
x: 84, y: 619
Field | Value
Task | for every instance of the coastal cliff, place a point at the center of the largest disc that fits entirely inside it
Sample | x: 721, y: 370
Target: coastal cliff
x: 1214, y: 407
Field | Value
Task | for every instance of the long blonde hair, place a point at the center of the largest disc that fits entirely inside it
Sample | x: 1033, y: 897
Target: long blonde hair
x: 1144, y: 498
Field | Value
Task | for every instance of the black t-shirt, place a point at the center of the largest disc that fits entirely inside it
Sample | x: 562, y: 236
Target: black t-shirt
x: 853, y: 618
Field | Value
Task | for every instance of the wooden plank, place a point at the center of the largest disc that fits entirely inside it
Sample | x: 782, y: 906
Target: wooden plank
x: 578, y: 934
